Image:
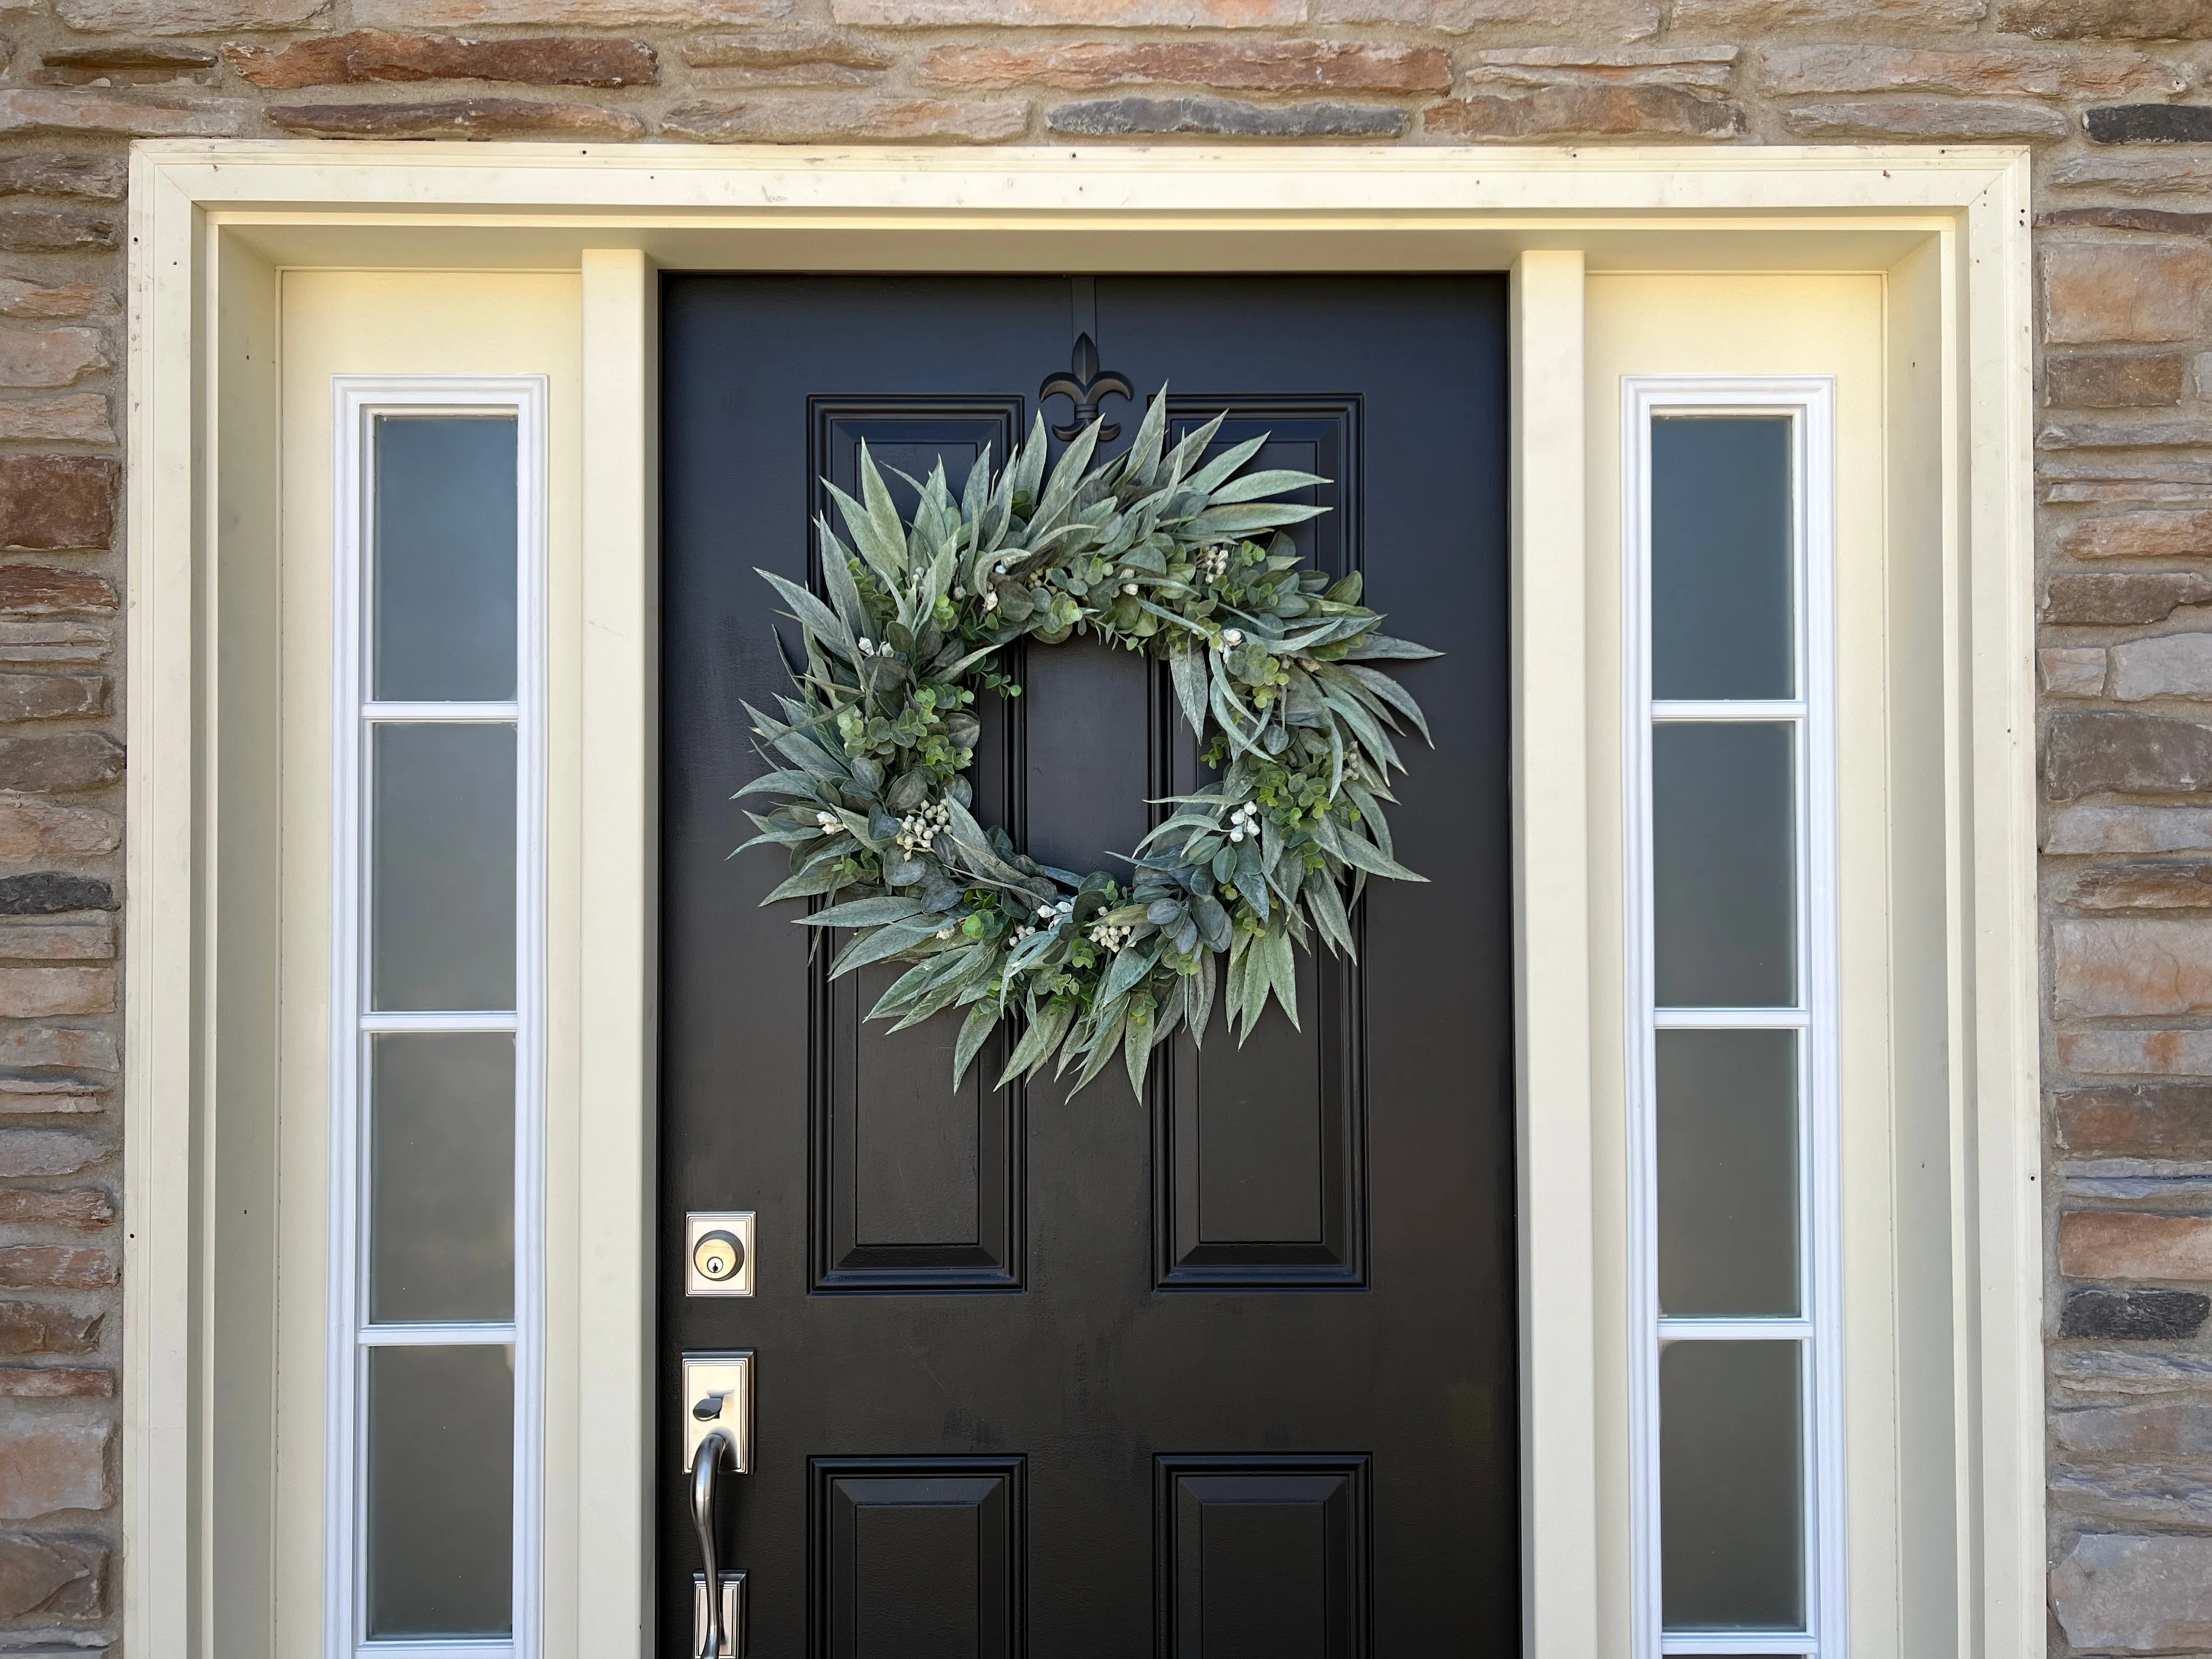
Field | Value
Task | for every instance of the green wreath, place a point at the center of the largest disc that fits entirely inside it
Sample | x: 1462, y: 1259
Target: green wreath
x: 1154, y: 553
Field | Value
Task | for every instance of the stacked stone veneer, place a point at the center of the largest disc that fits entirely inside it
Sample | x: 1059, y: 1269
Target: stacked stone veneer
x: 2112, y: 92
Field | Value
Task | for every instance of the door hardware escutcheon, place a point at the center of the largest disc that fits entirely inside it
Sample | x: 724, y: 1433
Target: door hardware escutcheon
x: 718, y: 1253
x: 718, y: 1439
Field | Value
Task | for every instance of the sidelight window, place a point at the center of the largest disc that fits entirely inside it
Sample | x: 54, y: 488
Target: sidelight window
x: 1732, y: 1071
x: 436, y: 1341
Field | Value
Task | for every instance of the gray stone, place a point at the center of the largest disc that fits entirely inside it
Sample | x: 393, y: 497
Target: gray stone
x: 2092, y: 751
x: 2128, y: 829
x: 51, y: 1577
x: 2108, y: 19
x: 2125, y: 434
x: 94, y: 178
x: 2103, y: 601
x: 2149, y: 123
x: 2132, y: 175
x: 1123, y: 117
x: 2131, y: 1372
x: 50, y: 892
x: 1926, y: 118
x: 62, y: 764
x: 2130, y: 1492
x: 2113, y: 1591
x: 1587, y: 110
x: 2181, y: 1428
x: 2072, y: 672
x: 2134, y: 1316
x: 2136, y: 1117
x: 2169, y: 666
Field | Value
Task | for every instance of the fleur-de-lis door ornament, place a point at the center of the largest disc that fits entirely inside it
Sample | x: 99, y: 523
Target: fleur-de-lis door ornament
x: 1084, y: 385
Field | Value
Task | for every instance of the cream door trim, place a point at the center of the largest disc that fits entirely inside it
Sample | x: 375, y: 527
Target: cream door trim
x: 212, y: 223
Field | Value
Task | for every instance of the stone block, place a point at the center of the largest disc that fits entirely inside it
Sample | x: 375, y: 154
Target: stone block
x: 64, y: 640
x: 2137, y: 1053
x: 2130, y: 175
x: 31, y: 1327
x: 1619, y: 20
x: 786, y: 49
x: 2148, y: 123
x: 2107, y: 20
x: 50, y: 356
x: 32, y: 828
x: 74, y: 1046
x: 2029, y: 72
x: 1709, y: 67
x: 38, y: 590
x: 2090, y: 752
x: 2134, y: 1316
x: 2073, y: 671
x: 2111, y: 382
x: 51, y: 502
x: 1586, y: 111
x: 2130, y: 1244
x: 586, y: 14
x: 2137, y: 1120
x: 457, y: 118
x: 48, y: 1577
x: 2094, y: 292
x: 1742, y: 18
x: 50, y: 230
x: 55, y: 1267
x: 82, y: 1209
x: 79, y: 417
x: 60, y: 765
x: 2164, y: 221
x: 2169, y: 666
x: 2156, y: 886
x: 1072, y: 13
x: 56, y: 1382
x: 118, y: 114
x: 2123, y: 435
x: 2152, y: 534
x: 380, y: 55
x: 2111, y: 601
x: 47, y: 1153
x: 126, y: 64
x: 57, y: 941
x: 49, y: 1094
x: 1125, y: 118
x: 786, y: 118
x: 2114, y: 967
x: 52, y: 1464
x: 2132, y: 1492
x: 186, y: 16
x: 1267, y: 66
x: 44, y: 993
x: 51, y: 892
x: 2120, y: 1592
x: 92, y: 177
x: 25, y: 300
x: 1968, y: 119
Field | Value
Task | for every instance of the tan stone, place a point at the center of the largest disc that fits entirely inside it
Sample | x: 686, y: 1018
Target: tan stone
x: 50, y: 356
x: 47, y: 1153
x: 53, y: 230
x: 1972, y: 119
x: 785, y: 48
x: 54, y: 1382
x: 2135, y: 967
x: 2137, y: 1120
x: 94, y: 178
x: 1274, y: 65
x: 84, y: 1209
x: 1543, y: 66
x: 379, y: 55
x: 1586, y: 112
x: 66, y: 764
x: 2110, y: 20
x: 50, y: 1096
x: 42, y: 992
x: 186, y: 17
x: 2157, y: 886
x: 39, y: 1327
x: 2072, y: 672
x: 126, y: 64
x: 42, y: 109
x: 2097, y: 291
x: 49, y: 1464
x: 2131, y: 175
x: 33, y: 828
x: 2104, y: 601
x: 2027, y: 72
x: 1740, y: 18
x: 2132, y: 1245
x: 459, y: 117
x: 796, y: 119
x: 55, y: 1267
x: 57, y: 941
x: 79, y: 418
x: 21, y: 299
x: 2151, y: 534
x: 59, y: 1045
x: 2137, y: 1053
x: 37, y: 590
x: 1094, y: 14
x: 52, y: 503
x: 2179, y: 1429
x: 54, y: 642
x: 1616, y: 20
x: 586, y: 14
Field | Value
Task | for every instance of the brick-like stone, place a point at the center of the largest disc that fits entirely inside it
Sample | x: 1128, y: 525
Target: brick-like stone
x: 2137, y: 1053
x: 55, y: 1267
x: 2115, y: 382
x: 51, y: 696
x: 2091, y: 752
x: 1082, y: 14
x: 2132, y: 1245
x: 50, y: 502
x: 587, y: 14
x: 39, y: 590
x: 2118, y: 967
x: 2104, y: 601
x: 119, y: 114
x: 2160, y: 221
x: 78, y: 1046
x: 53, y: 892
x: 2137, y: 1119
x: 2125, y: 434
x: 29, y: 1328
x: 2170, y: 666
x: 56, y: 1382
x: 2158, y: 173
x: 49, y: 1576
x: 380, y: 55
x: 81, y: 1209
x: 2119, y: 1591
x: 2181, y: 1429
x: 25, y: 301
x: 2154, y: 886
x: 2148, y: 123
x: 126, y: 64
x: 57, y: 941
x: 1712, y: 67
x: 2107, y: 20
x: 47, y: 1153
x: 50, y: 356
x: 54, y: 641
x: 1123, y: 117
x: 2132, y: 1492
x: 2031, y: 72
x: 458, y: 118
x: 786, y: 118
x: 32, y: 828
x: 1743, y: 18
x: 2094, y: 292
x: 90, y: 177
x: 63, y: 764
x: 53, y: 230
x: 2150, y: 534
x: 50, y: 1464
x: 1576, y: 112
x: 1265, y: 66
x: 2072, y: 671
x: 44, y: 993
x: 786, y: 49
x: 49, y: 1094
x: 2133, y: 1316
x: 1619, y: 20
x: 79, y: 417
x: 1970, y: 118
x: 186, y: 16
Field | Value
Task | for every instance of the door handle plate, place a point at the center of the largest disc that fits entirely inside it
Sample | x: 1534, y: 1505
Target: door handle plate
x: 733, y: 1614
x: 721, y: 1385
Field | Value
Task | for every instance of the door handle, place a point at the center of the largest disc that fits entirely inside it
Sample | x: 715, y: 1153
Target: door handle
x: 718, y: 1439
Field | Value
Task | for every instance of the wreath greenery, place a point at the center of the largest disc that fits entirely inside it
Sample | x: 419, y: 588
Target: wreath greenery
x: 1150, y: 551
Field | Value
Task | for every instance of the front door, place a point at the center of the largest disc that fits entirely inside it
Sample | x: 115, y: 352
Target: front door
x: 1228, y: 1373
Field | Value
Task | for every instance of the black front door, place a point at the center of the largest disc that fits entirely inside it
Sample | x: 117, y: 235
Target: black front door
x: 1230, y: 1373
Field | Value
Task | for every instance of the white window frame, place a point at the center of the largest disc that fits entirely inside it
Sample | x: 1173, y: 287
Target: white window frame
x: 1808, y: 403
x: 359, y: 401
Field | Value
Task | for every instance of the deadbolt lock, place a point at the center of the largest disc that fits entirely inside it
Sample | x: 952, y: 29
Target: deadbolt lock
x: 718, y: 1253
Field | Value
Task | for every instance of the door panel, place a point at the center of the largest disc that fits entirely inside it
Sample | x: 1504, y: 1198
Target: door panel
x: 1228, y: 1372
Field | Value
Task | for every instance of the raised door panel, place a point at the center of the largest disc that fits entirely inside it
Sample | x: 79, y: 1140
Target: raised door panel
x: 918, y: 1558
x: 1261, y: 1558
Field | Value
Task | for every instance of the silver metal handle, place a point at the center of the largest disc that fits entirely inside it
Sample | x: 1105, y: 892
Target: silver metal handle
x: 717, y: 1435
x: 706, y: 1464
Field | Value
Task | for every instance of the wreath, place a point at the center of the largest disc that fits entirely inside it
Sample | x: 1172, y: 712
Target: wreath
x: 1154, y: 553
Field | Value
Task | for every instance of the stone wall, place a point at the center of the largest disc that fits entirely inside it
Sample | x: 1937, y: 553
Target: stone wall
x: 2111, y: 92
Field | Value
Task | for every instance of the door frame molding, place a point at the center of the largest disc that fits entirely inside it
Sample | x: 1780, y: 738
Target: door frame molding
x: 212, y: 224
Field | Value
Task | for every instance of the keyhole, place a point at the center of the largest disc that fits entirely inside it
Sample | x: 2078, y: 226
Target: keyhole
x: 718, y: 1256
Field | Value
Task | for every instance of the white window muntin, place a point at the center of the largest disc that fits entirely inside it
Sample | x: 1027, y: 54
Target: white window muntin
x: 1807, y: 403
x: 360, y: 402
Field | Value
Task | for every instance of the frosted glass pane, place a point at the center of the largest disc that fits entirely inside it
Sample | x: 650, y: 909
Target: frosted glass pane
x: 440, y: 1491
x: 444, y: 576
x: 1722, y: 558
x: 442, y: 867
x: 1723, y: 854
x: 1727, y: 1173
x: 1731, y: 1498
x: 441, y: 1177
